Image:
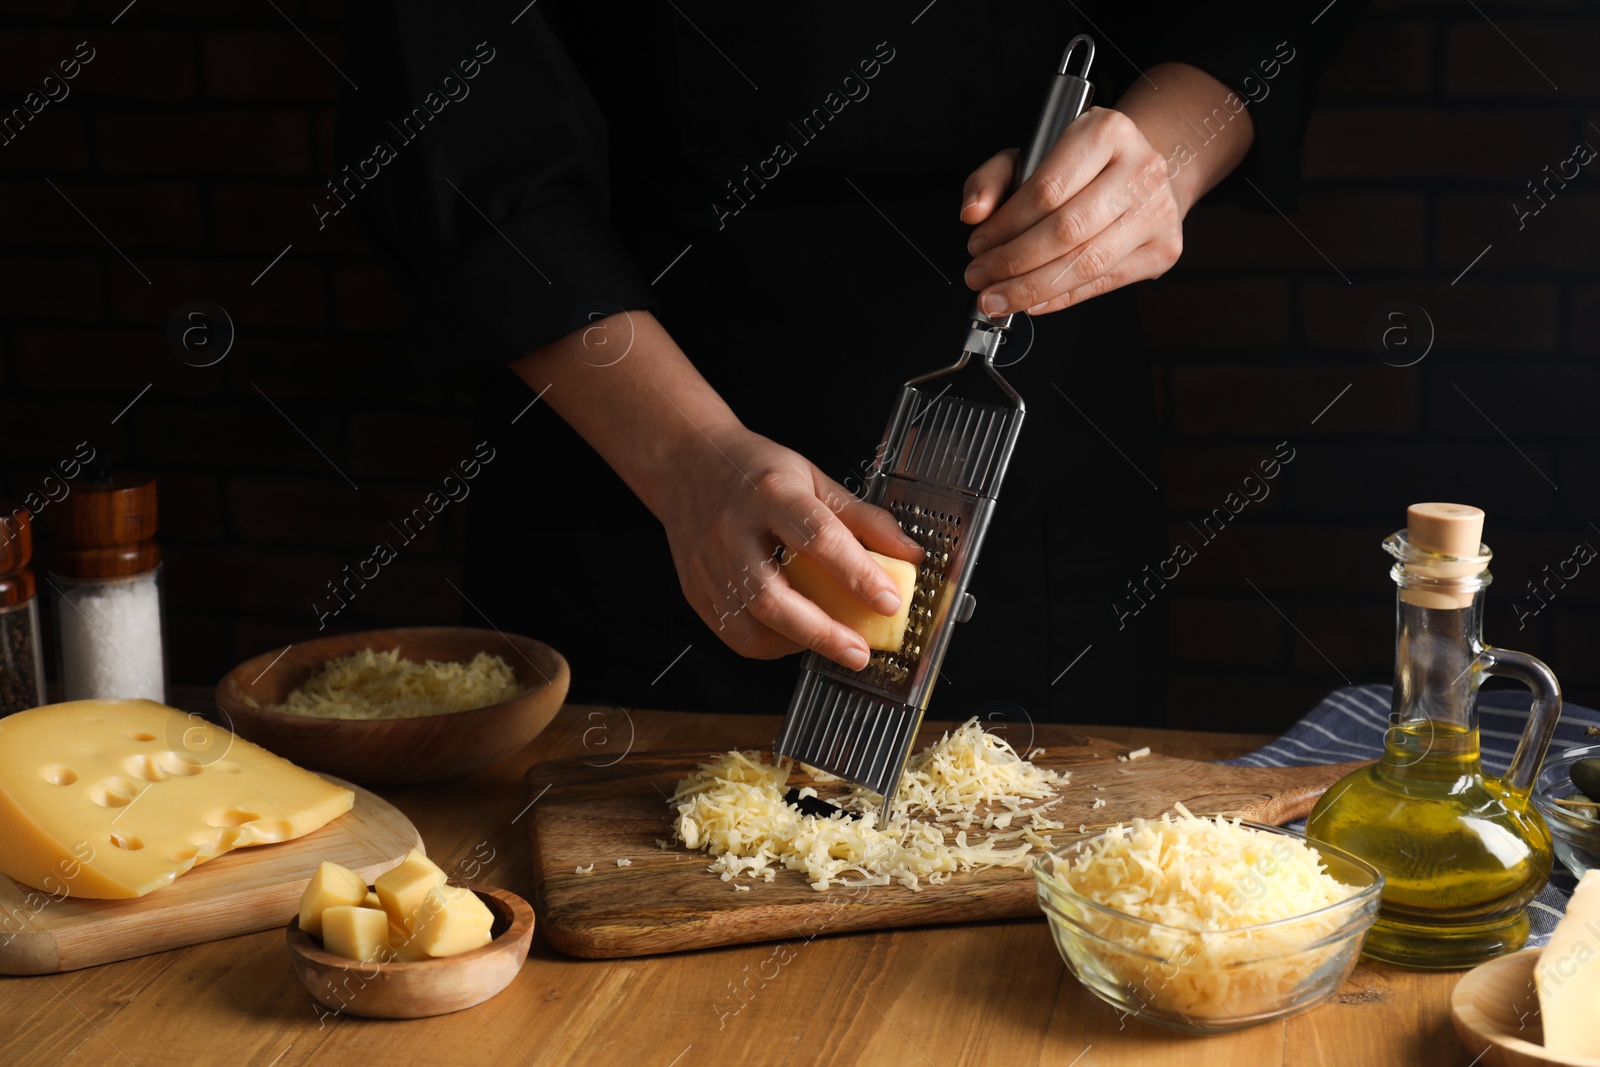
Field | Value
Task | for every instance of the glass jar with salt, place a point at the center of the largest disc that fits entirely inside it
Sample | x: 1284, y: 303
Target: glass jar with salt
x: 21, y: 655
x: 107, y: 580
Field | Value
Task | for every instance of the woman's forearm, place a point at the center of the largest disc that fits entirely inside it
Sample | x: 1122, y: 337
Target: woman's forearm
x: 1201, y: 126
x: 632, y: 394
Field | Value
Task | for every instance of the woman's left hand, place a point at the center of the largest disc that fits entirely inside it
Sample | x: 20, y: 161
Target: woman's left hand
x: 1106, y: 205
x: 1096, y: 214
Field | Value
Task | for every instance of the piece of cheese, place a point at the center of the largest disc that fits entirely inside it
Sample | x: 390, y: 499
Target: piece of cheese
x: 451, y: 919
x: 356, y: 933
x: 114, y: 798
x: 372, y: 900
x: 331, y: 886
x: 402, y: 889
x: 883, y: 632
x: 1568, y: 975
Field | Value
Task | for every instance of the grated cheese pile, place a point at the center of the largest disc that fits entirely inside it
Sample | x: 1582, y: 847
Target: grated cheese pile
x: 1210, y: 884
x: 734, y: 810
x: 381, y: 685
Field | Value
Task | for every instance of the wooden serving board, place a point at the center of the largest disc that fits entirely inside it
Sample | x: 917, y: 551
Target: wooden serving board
x: 666, y: 901
x: 241, y: 892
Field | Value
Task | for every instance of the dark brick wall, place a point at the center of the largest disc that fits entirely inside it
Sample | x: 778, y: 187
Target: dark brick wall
x: 195, y: 136
x: 1428, y: 129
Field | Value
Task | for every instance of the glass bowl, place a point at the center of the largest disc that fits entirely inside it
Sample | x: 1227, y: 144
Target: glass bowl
x: 1211, y: 981
x: 1576, y: 839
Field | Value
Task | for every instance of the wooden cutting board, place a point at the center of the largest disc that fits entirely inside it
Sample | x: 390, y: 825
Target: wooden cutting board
x: 666, y: 901
x: 243, y: 891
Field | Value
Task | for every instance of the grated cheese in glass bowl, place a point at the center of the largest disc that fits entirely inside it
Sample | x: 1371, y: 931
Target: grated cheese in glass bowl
x: 1207, y: 925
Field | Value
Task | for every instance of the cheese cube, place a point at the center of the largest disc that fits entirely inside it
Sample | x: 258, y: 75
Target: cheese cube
x: 403, y: 947
x: 331, y: 886
x: 883, y: 632
x: 372, y: 901
x: 1567, y: 976
x: 402, y: 889
x: 356, y: 933
x: 452, y: 919
x: 114, y: 798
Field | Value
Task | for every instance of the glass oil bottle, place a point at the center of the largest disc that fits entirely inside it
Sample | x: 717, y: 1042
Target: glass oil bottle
x: 1462, y: 852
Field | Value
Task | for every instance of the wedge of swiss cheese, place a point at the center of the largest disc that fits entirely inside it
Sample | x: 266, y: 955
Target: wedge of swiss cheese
x: 115, y: 798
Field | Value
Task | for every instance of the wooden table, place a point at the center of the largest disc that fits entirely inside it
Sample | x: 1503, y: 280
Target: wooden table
x: 992, y: 992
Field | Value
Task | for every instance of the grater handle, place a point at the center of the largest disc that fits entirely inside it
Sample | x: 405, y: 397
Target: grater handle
x: 1069, y: 95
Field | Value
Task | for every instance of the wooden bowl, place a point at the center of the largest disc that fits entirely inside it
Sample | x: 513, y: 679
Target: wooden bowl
x: 396, y: 751
x: 1495, y: 1005
x: 427, y: 987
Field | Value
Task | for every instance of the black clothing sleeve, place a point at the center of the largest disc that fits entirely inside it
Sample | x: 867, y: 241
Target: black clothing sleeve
x: 495, y: 205
x: 485, y: 169
x: 1271, y: 54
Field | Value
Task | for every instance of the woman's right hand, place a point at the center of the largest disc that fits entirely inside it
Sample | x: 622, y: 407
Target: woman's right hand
x: 739, y: 498
x: 727, y: 497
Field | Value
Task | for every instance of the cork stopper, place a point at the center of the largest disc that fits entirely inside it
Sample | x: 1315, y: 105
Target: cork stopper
x: 1451, y: 530
x: 1446, y: 529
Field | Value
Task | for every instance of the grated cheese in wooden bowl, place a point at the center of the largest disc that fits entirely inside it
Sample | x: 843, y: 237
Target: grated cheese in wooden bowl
x: 734, y: 810
x: 380, y: 685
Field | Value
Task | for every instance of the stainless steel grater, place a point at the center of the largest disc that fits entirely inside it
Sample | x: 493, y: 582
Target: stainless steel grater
x: 938, y: 472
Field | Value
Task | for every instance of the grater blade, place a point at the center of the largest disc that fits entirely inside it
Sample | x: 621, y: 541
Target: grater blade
x: 938, y: 472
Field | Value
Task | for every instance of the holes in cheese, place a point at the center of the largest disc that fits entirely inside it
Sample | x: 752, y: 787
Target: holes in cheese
x: 883, y: 632
x: 56, y: 774
x: 231, y: 817
x: 114, y: 792
x: 145, y: 768
x: 74, y: 775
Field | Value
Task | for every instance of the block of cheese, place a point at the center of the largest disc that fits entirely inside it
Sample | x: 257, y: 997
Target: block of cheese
x: 1568, y: 976
x: 883, y: 632
x: 331, y: 886
x: 356, y: 933
x: 403, y: 948
x: 402, y: 889
x: 372, y: 900
x: 451, y: 919
x: 115, y: 798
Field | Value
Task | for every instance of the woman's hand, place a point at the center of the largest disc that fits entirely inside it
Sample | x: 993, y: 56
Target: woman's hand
x: 1097, y: 214
x: 738, y: 498
x: 1104, y: 207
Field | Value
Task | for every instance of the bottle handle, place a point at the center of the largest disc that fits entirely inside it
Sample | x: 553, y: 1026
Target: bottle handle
x: 1542, y: 717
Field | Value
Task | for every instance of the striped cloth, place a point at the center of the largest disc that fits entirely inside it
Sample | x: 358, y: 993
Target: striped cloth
x: 1350, y: 723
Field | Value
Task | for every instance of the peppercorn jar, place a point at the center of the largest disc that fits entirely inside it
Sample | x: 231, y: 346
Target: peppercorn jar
x: 106, y: 576
x: 21, y: 654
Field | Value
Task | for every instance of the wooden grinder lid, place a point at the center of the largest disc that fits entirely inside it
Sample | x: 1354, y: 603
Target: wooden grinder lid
x: 1454, y: 530
x: 16, y: 537
x: 106, y: 529
x: 16, y: 549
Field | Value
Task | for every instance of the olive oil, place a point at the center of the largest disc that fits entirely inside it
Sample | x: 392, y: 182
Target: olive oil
x: 1462, y: 855
x: 1462, y: 852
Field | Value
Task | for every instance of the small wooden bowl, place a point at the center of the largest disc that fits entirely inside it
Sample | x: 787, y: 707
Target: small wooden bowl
x: 423, y: 988
x: 396, y: 751
x: 1495, y: 1004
